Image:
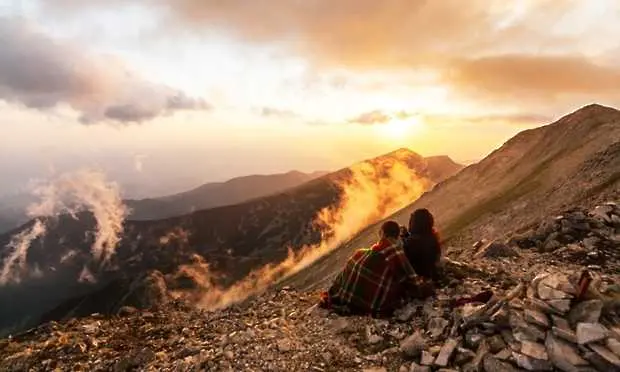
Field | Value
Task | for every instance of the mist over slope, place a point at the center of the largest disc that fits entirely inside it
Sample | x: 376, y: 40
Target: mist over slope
x: 572, y: 162
x: 209, y: 195
x: 228, y: 242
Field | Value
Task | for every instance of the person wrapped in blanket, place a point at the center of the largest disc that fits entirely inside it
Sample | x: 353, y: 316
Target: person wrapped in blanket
x: 375, y: 281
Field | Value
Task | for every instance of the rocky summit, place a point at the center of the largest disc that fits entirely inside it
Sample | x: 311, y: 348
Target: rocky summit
x: 524, y: 304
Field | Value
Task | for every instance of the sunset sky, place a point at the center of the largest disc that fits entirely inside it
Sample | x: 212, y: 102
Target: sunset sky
x: 166, y: 94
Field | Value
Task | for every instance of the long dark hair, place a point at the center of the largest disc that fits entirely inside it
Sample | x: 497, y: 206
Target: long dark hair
x: 422, y: 223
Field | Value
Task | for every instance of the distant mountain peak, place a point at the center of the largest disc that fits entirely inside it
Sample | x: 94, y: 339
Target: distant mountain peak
x: 402, y: 153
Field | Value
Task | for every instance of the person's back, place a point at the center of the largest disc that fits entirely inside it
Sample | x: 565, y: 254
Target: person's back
x: 374, y: 280
x: 421, y: 244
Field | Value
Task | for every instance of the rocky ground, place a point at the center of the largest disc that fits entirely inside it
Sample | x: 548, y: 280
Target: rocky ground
x: 534, y: 321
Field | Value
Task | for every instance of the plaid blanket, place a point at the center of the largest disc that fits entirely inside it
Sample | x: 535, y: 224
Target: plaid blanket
x: 374, y: 281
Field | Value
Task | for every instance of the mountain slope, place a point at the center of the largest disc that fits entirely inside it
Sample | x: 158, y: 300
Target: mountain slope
x: 217, y: 194
x: 210, y: 195
x: 523, y: 325
x: 574, y: 161
x: 234, y: 239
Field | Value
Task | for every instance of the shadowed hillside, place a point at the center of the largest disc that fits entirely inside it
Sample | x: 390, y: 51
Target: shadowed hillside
x: 217, y: 194
x: 234, y: 240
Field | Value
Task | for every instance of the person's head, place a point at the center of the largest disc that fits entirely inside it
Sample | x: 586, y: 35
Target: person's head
x: 421, y: 222
x: 390, y: 229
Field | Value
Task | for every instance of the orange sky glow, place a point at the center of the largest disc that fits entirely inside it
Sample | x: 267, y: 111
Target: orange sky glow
x: 205, y: 90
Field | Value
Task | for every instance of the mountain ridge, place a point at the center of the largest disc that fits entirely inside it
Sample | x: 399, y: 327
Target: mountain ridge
x: 514, y: 187
x: 233, y: 239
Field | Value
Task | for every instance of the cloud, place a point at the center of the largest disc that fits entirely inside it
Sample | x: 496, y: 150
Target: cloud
x: 42, y: 73
x: 514, y: 119
x: 371, y: 117
x: 517, y: 119
x: 274, y: 112
x: 490, y: 48
x: 533, y: 77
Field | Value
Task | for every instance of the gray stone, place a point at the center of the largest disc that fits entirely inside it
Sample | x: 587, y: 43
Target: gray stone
x: 598, y: 362
x: 418, y: 368
x: 510, y: 340
x: 602, y: 212
x: 492, y: 364
x: 427, y: 358
x: 551, y: 245
x: 374, y: 339
x: 504, y: 354
x: 565, y: 334
x: 534, y: 350
x: 613, y: 345
x: 413, y: 345
x: 564, y: 356
x: 436, y: 326
x: 542, y: 306
x: 591, y: 332
x: 463, y: 356
x: 536, y: 318
x: 606, y: 355
x: 585, y: 312
x: 559, y: 282
x: 560, y: 322
x: 562, y: 306
x: 473, y: 339
x: 496, y: 343
x: 405, y: 313
x: 446, y: 352
x: 547, y: 293
x: 476, y: 364
x: 531, y: 364
x: 523, y: 331
x: 496, y: 249
x: 590, y: 242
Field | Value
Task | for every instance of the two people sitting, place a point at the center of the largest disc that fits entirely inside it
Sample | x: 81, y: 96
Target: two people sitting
x: 376, y: 281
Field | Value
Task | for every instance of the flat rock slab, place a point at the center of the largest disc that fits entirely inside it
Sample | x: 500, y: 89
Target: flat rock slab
x: 591, y: 332
x: 563, y: 356
x: 531, y: 364
x: 446, y: 352
x: 536, y: 318
x: 586, y: 312
x: 606, y: 354
x: 492, y: 364
x: 534, y: 350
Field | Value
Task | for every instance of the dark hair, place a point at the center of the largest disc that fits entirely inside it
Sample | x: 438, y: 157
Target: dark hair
x: 390, y: 229
x: 421, y: 222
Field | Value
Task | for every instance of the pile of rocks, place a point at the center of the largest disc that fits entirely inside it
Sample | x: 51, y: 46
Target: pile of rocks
x: 576, y: 225
x: 531, y: 327
x: 539, y: 328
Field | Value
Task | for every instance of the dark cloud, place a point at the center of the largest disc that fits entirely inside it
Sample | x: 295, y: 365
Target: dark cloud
x: 41, y: 73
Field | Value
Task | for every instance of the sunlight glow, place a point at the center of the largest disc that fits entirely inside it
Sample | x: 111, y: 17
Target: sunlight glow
x: 399, y: 128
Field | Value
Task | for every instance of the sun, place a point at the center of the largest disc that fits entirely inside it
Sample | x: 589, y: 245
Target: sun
x: 399, y: 128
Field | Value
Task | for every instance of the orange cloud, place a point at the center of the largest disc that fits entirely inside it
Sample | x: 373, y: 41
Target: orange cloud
x: 527, y: 76
x: 372, y: 117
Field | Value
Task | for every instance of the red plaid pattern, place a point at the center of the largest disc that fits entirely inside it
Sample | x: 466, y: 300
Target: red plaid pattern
x: 373, y: 281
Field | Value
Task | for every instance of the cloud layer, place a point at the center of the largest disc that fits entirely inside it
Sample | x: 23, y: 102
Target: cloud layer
x: 41, y: 73
x: 494, y: 48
